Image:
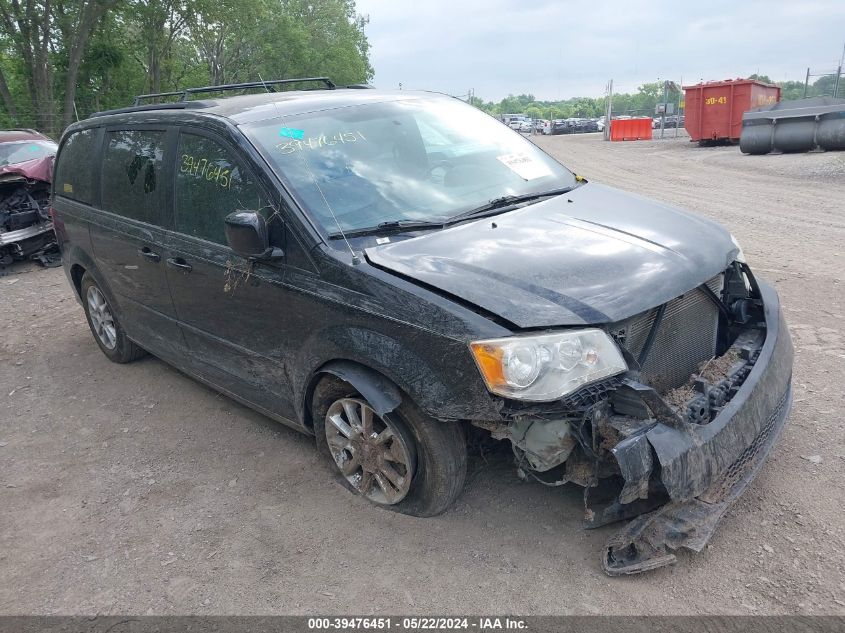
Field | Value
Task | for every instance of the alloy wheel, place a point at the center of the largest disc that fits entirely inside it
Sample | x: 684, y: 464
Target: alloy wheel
x: 371, y: 452
x: 101, y: 318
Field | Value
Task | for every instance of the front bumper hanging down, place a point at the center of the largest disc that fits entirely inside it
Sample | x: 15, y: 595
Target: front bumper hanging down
x: 705, y: 468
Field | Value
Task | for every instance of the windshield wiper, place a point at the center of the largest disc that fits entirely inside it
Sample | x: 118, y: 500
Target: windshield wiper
x: 500, y: 205
x: 391, y: 226
x: 497, y: 204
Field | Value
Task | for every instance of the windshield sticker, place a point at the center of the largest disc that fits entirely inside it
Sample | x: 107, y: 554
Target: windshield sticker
x: 525, y: 166
x: 68, y: 188
x: 293, y: 133
x: 204, y: 169
x: 289, y: 147
x: 382, y: 240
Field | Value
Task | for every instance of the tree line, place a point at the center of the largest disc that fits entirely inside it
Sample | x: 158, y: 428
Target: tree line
x: 61, y: 60
x: 640, y: 103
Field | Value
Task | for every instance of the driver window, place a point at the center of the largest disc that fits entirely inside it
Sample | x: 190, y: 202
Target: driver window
x: 209, y: 186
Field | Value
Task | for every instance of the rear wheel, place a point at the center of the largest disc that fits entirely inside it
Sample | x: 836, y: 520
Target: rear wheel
x: 403, y: 460
x: 104, y: 324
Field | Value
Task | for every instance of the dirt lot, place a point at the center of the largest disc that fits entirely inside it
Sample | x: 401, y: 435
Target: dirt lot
x: 133, y: 489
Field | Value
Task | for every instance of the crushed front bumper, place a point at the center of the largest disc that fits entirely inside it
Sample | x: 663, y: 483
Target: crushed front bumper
x: 705, y: 468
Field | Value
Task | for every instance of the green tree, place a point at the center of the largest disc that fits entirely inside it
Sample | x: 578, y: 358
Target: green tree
x: 791, y: 90
x: 763, y: 78
x: 27, y: 28
x: 76, y: 20
x: 823, y: 86
x: 60, y: 57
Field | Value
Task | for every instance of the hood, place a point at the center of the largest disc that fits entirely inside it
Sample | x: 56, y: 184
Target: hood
x: 595, y: 255
x: 35, y: 169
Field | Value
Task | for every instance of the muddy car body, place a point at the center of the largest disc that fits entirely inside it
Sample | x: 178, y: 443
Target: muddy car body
x: 617, y: 343
x: 26, y: 163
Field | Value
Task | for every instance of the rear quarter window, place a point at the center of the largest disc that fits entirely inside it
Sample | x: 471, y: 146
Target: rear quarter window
x: 73, y: 172
x: 132, y: 180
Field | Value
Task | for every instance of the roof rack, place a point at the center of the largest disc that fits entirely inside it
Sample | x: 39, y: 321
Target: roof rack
x: 266, y: 85
x: 178, y: 105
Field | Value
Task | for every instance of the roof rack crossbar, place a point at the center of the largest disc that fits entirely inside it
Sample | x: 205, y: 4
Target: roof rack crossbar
x: 155, y: 95
x: 242, y: 86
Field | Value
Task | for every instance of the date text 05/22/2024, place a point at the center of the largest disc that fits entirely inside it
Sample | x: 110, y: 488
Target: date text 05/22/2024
x: 416, y: 624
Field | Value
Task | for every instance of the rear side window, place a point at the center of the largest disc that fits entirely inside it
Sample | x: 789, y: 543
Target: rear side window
x: 132, y: 174
x: 209, y: 186
x: 73, y: 168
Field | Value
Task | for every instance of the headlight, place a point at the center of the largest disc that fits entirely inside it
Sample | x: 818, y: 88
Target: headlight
x: 740, y: 256
x: 547, y: 366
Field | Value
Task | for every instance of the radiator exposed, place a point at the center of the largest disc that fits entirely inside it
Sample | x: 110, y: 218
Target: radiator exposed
x: 685, y: 338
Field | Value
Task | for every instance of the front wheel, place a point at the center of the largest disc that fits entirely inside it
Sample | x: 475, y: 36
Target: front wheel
x: 404, y: 460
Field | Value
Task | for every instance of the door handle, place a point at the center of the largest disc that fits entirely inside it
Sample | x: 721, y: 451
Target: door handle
x: 146, y: 253
x: 181, y: 264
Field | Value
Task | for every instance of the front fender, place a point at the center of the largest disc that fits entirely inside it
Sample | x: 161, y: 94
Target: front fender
x: 435, y: 371
x: 382, y: 394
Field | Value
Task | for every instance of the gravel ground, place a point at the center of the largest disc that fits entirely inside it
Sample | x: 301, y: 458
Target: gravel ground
x: 134, y: 489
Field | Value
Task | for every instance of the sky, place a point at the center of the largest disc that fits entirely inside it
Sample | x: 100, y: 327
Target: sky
x: 560, y: 49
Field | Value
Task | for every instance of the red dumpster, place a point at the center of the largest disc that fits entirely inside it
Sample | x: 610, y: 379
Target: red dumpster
x: 713, y: 111
x: 630, y: 129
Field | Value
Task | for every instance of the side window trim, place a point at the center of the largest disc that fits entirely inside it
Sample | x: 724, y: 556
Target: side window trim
x: 168, y: 205
x: 97, y: 167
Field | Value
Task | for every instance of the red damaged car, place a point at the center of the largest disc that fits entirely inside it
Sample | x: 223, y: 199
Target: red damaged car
x: 26, y: 170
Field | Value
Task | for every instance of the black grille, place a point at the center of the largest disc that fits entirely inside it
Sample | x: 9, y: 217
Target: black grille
x: 685, y: 339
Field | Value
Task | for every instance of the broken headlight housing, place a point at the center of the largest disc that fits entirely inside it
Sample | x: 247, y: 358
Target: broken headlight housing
x: 547, y: 366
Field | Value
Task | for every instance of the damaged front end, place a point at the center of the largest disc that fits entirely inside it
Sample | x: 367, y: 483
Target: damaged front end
x: 676, y: 439
x: 26, y: 229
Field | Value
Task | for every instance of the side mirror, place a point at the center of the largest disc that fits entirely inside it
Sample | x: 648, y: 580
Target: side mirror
x: 246, y: 234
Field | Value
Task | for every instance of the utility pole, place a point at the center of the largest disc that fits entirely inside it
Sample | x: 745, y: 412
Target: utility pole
x: 609, y: 113
x: 806, y: 81
x: 839, y: 73
x: 678, y: 111
x: 663, y: 116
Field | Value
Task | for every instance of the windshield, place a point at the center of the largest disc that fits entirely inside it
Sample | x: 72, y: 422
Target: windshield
x: 425, y: 159
x: 20, y: 152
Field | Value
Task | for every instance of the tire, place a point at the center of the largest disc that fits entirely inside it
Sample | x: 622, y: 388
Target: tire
x: 111, y: 340
x: 437, y: 449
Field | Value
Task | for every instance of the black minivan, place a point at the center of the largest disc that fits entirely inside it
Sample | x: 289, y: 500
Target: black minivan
x: 385, y: 270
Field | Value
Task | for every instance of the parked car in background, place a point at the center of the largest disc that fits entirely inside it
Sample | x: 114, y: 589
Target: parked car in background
x: 508, y: 118
x: 514, y: 121
x: 671, y: 121
x: 600, y: 123
x: 563, y: 126
x: 526, y: 126
x: 388, y: 292
x: 26, y: 167
x: 586, y: 125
